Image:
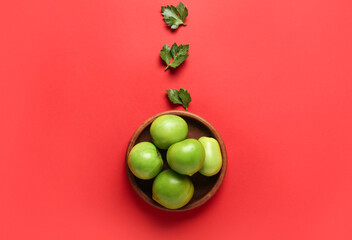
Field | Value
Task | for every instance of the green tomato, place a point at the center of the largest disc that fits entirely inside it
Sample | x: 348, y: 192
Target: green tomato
x: 145, y: 161
x: 186, y: 157
x: 172, y: 190
x: 167, y: 130
x: 213, y: 159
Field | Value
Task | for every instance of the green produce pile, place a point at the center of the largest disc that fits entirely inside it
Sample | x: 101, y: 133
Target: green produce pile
x: 173, y: 188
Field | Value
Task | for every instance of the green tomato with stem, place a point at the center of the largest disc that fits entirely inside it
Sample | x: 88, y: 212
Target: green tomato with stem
x: 145, y: 161
x: 172, y: 190
x: 167, y: 130
x: 186, y: 157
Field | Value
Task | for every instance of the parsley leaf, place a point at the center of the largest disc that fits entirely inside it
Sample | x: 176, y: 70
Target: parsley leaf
x: 165, y: 54
x: 185, y: 97
x: 179, y: 97
x: 174, y: 16
x: 177, y: 53
x: 173, y: 96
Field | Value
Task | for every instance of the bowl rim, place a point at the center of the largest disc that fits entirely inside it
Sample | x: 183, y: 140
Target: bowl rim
x: 217, y: 184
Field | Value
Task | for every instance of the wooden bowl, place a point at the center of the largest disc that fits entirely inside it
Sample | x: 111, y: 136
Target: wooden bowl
x: 204, y: 187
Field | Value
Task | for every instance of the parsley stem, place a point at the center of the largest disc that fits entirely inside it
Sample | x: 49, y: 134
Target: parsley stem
x: 167, y: 67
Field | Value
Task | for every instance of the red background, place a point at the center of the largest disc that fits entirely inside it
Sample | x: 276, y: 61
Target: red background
x: 78, y: 77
